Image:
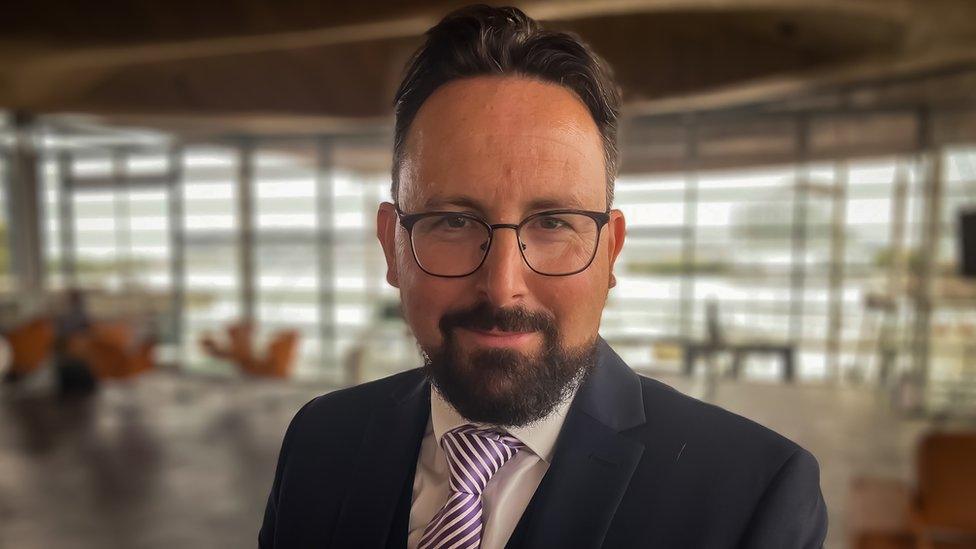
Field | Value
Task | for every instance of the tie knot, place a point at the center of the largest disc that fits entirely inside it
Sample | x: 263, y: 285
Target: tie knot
x: 474, y: 455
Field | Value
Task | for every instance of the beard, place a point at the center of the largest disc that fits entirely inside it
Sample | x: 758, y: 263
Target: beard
x: 502, y: 386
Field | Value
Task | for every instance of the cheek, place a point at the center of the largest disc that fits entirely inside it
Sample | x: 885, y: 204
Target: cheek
x: 577, y: 303
x: 425, y: 300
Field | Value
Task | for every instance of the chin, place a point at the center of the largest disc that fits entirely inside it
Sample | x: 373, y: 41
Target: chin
x: 503, y: 386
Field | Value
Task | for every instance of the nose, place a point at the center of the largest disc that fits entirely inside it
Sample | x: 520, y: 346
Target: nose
x: 501, y: 278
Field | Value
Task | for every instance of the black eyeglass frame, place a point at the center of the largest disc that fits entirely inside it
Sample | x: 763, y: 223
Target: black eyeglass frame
x: 409, y: 220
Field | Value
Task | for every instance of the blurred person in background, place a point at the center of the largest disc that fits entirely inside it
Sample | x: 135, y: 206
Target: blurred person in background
x: 523, y: 428
x: 74, y: 374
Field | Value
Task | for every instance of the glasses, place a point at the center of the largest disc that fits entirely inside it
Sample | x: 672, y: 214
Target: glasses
x: 552, y: 243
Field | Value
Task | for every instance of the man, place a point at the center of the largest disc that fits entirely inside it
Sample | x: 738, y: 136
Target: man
x: 523, y: 428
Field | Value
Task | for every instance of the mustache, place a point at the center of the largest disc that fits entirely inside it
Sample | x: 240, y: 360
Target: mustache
x: 482, y: 316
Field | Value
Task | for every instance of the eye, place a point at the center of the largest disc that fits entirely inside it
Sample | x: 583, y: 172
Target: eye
x: 456, y: 221
x: 551, y: 223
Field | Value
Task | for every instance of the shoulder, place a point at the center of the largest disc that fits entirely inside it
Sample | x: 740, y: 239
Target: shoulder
x: 710, y: 435
x: 730, y: 467
x: 366, y: 394
x: 344, y: 413
x: 737, y: 478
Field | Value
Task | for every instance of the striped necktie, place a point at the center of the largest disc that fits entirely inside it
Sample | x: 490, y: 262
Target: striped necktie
x: 473, y: 456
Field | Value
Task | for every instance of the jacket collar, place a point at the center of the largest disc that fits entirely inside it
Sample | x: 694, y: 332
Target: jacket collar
x: 612, y: 393
x: 384, y: 468
x: 593, y: 461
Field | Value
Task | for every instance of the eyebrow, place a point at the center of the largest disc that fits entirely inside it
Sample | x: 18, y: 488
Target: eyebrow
x: 555, y: 204
x: 543, y: 203
x: 460, y: 201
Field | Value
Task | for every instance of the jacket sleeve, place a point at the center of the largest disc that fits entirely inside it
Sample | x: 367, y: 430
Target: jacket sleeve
x: 791, y: 513
x: 266, y: 536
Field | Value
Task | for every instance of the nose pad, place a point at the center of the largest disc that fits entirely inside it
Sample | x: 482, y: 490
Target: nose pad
x: 484, y: 245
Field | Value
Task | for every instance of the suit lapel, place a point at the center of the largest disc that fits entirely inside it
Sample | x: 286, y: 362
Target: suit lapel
x: 386, y: 463
x: 592, y: 463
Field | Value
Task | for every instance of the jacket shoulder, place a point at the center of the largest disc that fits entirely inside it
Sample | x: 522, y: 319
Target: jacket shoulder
x: 739, y: 441
x: 344, y: 412
x: 716, y: 477
x: 373, y: 392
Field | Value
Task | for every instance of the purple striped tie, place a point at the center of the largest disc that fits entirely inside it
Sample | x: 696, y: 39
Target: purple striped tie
x: 473, y: 456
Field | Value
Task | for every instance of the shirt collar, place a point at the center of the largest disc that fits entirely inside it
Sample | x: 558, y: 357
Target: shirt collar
x: 539, y: 436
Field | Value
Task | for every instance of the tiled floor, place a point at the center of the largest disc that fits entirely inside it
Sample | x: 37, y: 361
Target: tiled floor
x: 170, y: 461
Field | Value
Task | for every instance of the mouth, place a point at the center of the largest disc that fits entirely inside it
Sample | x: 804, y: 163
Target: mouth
x: 497, y: 338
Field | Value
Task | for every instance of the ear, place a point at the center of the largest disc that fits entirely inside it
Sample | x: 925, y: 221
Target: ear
x: 617, y: 231
x: 386, y: 224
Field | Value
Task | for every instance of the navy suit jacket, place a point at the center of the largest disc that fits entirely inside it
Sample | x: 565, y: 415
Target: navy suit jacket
x: 636, y: 464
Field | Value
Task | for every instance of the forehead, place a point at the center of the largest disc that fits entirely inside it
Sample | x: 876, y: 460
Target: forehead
x: 503, y: 142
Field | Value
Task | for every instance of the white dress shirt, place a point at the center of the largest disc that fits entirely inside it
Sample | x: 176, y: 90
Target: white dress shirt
x: 508, y: 492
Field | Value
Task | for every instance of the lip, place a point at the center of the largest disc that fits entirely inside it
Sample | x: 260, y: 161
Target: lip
x: 497, y: 338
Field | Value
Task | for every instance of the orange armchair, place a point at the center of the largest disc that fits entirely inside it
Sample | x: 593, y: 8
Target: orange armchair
x: 30, y: 345
x: 111, y: 352
x: 275, y: 362
x: 940, y: 513
x: 944, y: 507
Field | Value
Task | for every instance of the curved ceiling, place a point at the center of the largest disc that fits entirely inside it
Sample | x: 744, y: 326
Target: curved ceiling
x: 342, y: 60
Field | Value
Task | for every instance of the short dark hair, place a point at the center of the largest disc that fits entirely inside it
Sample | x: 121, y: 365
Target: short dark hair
x: 482, y: 40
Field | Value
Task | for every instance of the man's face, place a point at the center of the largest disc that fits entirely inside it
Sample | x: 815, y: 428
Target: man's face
x: 503, y: 340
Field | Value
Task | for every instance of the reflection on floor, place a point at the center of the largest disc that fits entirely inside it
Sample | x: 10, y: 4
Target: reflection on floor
x: 170, y: 461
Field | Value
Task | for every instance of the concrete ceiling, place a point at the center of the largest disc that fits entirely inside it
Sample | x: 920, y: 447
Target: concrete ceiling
x: 322, y: 64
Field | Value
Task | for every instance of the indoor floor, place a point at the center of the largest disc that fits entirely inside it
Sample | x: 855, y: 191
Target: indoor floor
x: 175, y: 461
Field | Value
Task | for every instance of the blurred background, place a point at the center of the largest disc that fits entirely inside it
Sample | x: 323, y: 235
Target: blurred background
x: 187, y: 252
